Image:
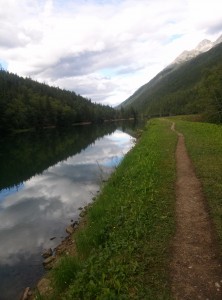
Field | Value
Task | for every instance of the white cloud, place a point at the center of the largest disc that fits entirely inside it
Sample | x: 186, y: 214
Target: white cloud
x: 103, y: 50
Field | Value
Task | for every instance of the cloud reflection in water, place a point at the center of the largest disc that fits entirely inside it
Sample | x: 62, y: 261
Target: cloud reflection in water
x: 46, y: 203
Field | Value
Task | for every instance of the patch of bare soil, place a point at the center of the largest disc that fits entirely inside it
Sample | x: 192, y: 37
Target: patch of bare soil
x: 196, y: 271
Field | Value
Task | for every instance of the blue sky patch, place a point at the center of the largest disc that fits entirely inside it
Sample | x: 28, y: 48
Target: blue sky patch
x: 3, y: 64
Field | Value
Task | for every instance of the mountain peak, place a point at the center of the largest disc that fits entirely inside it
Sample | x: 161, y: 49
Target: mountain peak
x: 186, y: 55
x: 204, y: 46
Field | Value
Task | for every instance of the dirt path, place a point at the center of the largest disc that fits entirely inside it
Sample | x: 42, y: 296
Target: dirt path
x: 195, y: 268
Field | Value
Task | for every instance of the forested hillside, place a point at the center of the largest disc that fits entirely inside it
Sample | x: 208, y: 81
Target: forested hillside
x: 193, y: 87
x: 25, y: 103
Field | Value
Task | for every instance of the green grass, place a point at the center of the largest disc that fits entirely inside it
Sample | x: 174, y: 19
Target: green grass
x: 124, y: 251
x: 204, y: 145
x: 65, y: 273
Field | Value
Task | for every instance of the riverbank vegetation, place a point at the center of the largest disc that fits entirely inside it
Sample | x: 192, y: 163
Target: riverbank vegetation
x: 123, y: 252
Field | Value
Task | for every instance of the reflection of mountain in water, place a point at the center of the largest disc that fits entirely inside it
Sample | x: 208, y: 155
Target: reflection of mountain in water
x: 25, y: 155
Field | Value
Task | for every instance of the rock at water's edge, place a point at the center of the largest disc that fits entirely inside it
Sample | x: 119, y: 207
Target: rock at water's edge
x: 48, y: 260
x: 69, y: 229
x: 46, y: 253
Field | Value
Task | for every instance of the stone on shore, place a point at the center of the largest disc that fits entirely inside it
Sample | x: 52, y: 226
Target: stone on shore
x: 47, y: 252
x: 48, y: 260
x: 27, y: 293
x: 69, y: 229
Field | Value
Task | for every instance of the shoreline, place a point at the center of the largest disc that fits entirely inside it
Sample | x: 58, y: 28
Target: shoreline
x: 66, y: 247
x: 110, y: 247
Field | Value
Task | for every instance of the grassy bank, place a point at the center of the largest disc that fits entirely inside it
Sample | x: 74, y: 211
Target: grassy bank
x: 204, y: 144
x: 123, y: 252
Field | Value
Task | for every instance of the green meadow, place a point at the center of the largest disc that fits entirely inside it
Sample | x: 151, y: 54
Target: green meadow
x: 124, y: 250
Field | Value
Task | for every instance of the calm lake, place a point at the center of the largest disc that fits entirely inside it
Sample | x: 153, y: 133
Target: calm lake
x: 45, y: 178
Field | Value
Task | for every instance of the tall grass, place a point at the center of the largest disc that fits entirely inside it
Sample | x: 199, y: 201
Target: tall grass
x: 65, y: 273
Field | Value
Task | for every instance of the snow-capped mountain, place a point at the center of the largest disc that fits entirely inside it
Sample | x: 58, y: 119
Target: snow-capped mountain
x: 170, y: 87
x: 202, y: 47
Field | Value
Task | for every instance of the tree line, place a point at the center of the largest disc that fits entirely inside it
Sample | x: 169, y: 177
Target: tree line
x: 25, y: 103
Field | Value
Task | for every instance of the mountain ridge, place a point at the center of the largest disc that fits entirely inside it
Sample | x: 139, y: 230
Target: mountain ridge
x: 174, y: 89
x: 203, y: 46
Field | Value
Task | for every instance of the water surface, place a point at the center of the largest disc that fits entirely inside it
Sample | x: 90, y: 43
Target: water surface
x: 45, y: 178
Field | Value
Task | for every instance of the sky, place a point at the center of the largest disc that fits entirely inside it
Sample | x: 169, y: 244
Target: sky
x: 102, y: 49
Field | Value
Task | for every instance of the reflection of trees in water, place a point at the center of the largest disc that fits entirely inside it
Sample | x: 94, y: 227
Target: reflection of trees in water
x: 28, y: 154
x: 25, y: 155
x: 131, y: 126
